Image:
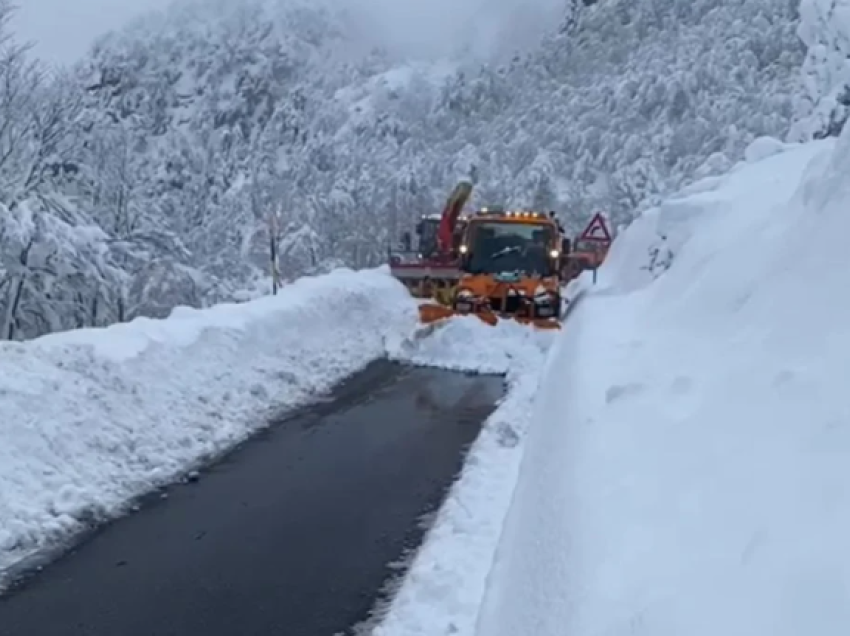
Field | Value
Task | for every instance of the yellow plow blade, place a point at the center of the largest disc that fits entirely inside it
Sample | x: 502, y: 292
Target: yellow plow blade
x: 431, y: 312
x: 540, y: 323
x: 487, y: 316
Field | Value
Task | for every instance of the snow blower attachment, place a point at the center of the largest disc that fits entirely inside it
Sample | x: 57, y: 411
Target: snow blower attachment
x: 432, y: 271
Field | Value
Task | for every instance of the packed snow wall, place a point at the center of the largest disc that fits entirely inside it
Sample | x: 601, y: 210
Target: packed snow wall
x: 686, y: 467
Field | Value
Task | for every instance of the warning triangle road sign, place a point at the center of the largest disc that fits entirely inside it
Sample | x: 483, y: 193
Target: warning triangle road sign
x: 596, y: 231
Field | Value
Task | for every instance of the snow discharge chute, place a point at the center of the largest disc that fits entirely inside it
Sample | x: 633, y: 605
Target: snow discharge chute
x: 451, y: 213
x: 432, y: 270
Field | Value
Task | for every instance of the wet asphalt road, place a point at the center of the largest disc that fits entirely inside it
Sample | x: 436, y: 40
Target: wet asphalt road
x: 291, y: 535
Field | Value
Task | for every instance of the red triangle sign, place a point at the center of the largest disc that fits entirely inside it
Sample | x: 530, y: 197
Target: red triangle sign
x: 596, y: 231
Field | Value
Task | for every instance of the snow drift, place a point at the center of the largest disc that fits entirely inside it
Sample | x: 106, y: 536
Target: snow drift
x: 686, y: 471
x: 91, y: 418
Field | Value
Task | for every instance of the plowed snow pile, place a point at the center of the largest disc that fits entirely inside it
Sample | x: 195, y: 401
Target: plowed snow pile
x: 688, y: 467
x: 91, y: 418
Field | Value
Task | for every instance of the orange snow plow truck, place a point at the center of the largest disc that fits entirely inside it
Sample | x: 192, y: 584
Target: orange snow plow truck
x: 511, y: 266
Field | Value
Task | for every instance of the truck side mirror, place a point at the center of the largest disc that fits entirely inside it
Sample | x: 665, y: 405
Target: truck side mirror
x: 419, y: 229
x: 406, y: 241
x: 565, y: 246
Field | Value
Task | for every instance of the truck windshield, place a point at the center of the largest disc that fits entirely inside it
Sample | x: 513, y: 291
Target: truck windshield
x: 496, y: 247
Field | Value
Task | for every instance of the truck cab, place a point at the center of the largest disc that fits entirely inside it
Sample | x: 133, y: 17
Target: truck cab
x: 511, y: 263
x: 524, y: 242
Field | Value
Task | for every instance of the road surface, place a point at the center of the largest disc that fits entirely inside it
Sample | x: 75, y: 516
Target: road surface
x: 291, y: 535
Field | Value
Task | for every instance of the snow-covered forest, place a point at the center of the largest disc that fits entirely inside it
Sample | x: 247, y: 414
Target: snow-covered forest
x: 156, y: 171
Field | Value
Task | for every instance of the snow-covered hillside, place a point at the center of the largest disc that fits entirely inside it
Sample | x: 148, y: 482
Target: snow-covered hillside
x: 152, y: 170
x: 93, y: 417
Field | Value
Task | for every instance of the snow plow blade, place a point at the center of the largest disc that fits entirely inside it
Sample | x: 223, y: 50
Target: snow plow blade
x: 432, y: 312
x: 539, y: 323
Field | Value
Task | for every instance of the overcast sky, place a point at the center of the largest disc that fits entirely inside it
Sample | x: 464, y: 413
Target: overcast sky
x: 431, y: 27
x: 62, y: 30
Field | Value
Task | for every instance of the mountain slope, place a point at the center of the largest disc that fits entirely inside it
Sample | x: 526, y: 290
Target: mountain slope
x: 193, y: 127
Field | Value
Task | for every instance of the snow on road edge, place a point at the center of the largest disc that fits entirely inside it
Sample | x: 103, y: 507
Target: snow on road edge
x: 442, y: 590
x: 90, y: 419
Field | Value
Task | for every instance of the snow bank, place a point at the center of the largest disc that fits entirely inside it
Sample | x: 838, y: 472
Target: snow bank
x: 92, y: 418
x: 687, y: 467
x: 445, y: 583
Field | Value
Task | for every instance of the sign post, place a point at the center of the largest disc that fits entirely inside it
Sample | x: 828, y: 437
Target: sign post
x: 274, y: 237
x: 597, y: 232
